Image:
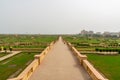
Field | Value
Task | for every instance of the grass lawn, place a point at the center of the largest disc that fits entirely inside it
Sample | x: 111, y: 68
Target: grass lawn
x: 3, y: 54
x: 9, y: 66
x: 108, y: 65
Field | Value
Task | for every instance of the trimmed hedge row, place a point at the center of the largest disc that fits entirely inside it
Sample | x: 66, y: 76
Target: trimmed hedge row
x: 80, y: 44
x: 108, y: 50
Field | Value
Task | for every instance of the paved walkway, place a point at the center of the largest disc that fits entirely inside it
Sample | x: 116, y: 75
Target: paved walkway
x: 9, y: 55
x: 60, y: 64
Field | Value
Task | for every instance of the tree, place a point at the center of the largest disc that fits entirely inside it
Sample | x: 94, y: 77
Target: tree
x: 10, y: 48
x: 5, y: 49
x: 1, y: 48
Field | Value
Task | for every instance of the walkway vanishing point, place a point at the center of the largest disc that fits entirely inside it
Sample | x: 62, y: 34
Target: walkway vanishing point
x: 60, y: 64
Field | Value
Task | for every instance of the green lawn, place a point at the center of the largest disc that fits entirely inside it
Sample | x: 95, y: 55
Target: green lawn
x: 108, y: 65
x: 10, y: 66
x: 3, y: 54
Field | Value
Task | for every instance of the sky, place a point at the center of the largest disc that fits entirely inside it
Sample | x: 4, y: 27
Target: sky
x: 58, y: 16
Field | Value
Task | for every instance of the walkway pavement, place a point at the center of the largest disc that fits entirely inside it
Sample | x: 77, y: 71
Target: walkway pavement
x: 60, y: 64
x: 9, y: 55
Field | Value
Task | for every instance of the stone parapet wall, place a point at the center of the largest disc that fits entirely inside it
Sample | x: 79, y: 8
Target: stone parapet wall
x: 92, y: 71
x: 95, y: 74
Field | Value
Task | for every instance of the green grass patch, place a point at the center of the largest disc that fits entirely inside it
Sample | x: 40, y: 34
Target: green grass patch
x: 108, y: 65
x: 9, y: 66
x: 3, y: 54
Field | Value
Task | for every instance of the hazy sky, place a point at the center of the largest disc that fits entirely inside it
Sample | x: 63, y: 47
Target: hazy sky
x: 59, y: 16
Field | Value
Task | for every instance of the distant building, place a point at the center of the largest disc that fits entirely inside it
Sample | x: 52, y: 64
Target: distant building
x: 98, y: 33
x: 106, y: 33
x: 87, y: 33
x: 113, y: 34
x: 91, y: 32
x: 83, y: 32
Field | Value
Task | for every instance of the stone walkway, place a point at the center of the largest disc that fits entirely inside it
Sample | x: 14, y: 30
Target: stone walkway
x: 60, y: 64
x: 9, y: 55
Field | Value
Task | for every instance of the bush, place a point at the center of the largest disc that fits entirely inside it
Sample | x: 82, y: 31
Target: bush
x: 83, y: 44
x: 96, y: 49
x: 5, y: 49
x: 10, y: 48
x: 108, y: 49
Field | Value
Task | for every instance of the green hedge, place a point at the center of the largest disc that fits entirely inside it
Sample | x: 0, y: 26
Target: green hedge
x: 80, y: 44
x: 108, y: 49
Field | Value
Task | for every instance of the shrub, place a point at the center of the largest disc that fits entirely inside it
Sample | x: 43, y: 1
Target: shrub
x: 108, y: 49
x: 10, y: 48
x: 5, y: 49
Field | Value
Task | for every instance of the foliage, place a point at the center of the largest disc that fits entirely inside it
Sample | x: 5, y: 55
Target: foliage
x: 108, y: 49
x: 10, y: 48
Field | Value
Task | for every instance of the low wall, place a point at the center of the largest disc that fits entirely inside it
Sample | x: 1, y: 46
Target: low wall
x: 25, y: 75
x: 92, y: 71
x: 95, y: 75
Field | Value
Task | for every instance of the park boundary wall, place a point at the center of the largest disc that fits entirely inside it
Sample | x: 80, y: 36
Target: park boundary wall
x: 28, y: 71
x: 95, y: 75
